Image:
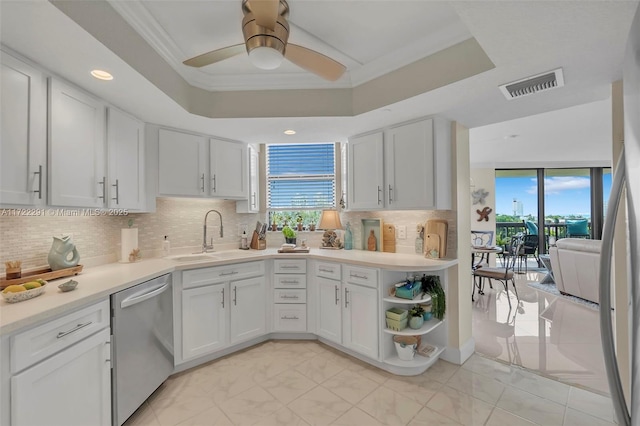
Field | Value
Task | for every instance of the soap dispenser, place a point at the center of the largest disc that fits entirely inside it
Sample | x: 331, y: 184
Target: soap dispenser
x: 166, y: 247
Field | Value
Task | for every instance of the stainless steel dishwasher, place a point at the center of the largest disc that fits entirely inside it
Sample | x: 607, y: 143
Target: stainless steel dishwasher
x: 142, y: 327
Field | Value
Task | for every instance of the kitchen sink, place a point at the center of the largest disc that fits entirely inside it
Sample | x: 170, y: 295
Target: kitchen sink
x: 192, y: 257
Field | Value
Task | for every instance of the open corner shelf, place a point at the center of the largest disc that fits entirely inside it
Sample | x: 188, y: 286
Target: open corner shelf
x: 393, y: 299
x: 417, y: 361
x: 427, y: 327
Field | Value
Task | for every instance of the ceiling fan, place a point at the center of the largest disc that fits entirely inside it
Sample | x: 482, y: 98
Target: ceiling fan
x: 266, y: 32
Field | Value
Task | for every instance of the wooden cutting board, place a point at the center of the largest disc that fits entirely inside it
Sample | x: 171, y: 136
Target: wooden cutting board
x: 389, y: 238
x: 432, y: 242
x: 440, y: 227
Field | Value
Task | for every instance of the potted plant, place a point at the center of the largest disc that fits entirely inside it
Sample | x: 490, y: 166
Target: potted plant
x: 289, y: 234
x: 275, y: 217
x: 431, y: 286
x: 299, y: 222
x: 416, y: 317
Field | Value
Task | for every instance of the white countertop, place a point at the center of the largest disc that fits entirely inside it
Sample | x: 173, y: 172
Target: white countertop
x: 97, y: 283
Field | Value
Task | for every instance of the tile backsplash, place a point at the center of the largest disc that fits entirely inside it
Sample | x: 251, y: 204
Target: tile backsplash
x: 29, y: 238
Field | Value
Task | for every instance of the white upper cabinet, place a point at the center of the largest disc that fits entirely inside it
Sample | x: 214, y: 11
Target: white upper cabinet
x: 365, y: 172
x: 182, y: 163
x: 227, y: 169
x: 23, y: 147
x: 252, y: 203
x: 409, y: 172
x: 125, y: 144
x: 405, y: 167
x: 76, y: 148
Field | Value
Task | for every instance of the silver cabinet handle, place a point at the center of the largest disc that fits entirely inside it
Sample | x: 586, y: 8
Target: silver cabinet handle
x: 117, y: 198
x: 284, y: 296
x: 289, y: 282
x: 379, y: 192
x: 39, y: 190
x: 213, y: 180
x: 330, y: 271
x: 74, y: 329
x: 104, y: 187
x: 222, y: 297
x: 289, y: 267
x: 289, y: 318
x: 235, y: 294
x: 337, y: 292
x: 254, y: 200
x: 202, y: 180
x: 390, y: 197
x: 362, y: 277
x: 346, y: 297
x: 222, y: 274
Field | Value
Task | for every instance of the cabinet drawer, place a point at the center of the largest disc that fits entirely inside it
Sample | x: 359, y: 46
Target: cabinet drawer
x: 36, y: 344
x: 290, y: 318
x: 218, y: 274
x: 290, y: 266
x: 290, y: 281
x: 289, y: 296
x: 363, y: 276
x: 328, y: 270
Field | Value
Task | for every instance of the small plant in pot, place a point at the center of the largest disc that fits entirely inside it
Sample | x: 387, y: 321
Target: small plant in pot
x: 416, y: 317
x: 299, y: 222
x: 289, y: 234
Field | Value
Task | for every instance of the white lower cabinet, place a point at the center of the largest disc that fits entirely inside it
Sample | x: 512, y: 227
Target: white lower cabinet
x: 204, y: 320
x: 290, y: 295
x: 360, y: 319
x: 329, y: 323
x: 247, y: 309
x: 70, y: 387
x: 221, y: 306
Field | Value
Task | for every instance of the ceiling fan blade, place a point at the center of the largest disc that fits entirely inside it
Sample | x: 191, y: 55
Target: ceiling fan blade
x: 216, y: 56
x: 314, y: 62
x: 265, y: 12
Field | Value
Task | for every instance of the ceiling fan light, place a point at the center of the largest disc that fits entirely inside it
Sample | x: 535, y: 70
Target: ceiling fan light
x: 265, y: 58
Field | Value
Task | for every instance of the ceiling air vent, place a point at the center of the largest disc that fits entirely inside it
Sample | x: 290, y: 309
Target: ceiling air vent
x: 534, y: 84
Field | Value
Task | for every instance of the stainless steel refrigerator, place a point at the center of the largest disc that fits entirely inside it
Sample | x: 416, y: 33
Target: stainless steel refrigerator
x: 627, y: 174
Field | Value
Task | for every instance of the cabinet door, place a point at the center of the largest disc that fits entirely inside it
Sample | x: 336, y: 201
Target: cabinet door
x: 23, y: 143
x: 70, y: 388
x: 77, y: 148
x: 204, y: 320
x: 125, y: 144
x: 228, y: 168
x: 329, y: 311
x: 252, y: 204
x: 182, y: 163
x: 409, y: 156
x: 248, y: 309
x: 360, y: 319
x: 365, y: 172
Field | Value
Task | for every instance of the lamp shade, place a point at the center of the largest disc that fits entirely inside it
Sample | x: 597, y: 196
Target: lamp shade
x: 330, y: 219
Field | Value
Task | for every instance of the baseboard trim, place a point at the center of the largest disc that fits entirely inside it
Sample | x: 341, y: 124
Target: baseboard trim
x: 460, y: 355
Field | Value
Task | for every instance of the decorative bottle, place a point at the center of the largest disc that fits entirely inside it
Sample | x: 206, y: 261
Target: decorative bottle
x: 348, y: 238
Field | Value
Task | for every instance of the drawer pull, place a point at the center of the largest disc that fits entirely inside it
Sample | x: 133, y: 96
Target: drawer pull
x: 289, y: 318
x: 289, y: 267
x: 284, y: 296
x: 223, y: 274
x: 362, y: 277
x: 290, y: 282
x: 74, y: 329
x: 330, y: 271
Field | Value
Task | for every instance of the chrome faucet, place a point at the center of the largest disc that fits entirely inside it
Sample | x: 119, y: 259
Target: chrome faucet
x: 209, y: 247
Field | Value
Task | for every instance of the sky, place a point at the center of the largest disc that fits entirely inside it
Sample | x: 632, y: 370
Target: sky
x: 564, y: 195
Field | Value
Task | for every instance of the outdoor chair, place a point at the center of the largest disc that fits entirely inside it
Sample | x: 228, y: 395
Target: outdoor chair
x: 532, y: 227
x: 529, y: 248
x: 503, y: 274
x: 577, y: 228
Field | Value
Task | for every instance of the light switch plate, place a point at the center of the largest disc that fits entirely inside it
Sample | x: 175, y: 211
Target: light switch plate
x: 401, y: 232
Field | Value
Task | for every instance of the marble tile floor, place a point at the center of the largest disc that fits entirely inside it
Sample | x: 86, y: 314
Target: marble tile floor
x: 308, y: 383
x: 543, y: 333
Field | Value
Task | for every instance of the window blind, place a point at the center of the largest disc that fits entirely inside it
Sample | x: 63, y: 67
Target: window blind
x: 301, y: 176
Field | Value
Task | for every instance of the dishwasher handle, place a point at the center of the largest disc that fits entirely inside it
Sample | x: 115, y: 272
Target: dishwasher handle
x: 137, y: 298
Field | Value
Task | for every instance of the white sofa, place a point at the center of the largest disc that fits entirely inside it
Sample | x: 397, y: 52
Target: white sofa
x: 576, y: 266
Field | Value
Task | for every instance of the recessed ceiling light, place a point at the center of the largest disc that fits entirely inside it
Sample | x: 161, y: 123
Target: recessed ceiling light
x: 289, y: 132
x: 101, y: 75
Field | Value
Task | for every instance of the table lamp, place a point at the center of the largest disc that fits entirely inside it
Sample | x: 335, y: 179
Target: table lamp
x: 330, y: 221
